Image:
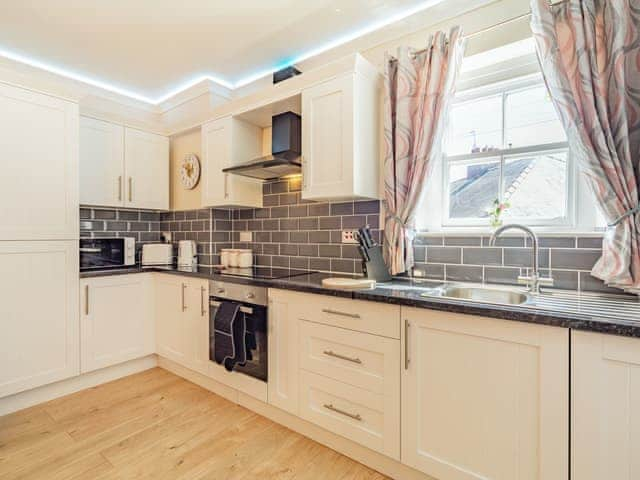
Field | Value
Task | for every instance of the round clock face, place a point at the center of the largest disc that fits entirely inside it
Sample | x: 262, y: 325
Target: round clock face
x: 190, y: 171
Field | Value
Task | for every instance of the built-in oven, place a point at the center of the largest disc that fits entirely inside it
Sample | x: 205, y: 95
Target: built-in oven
x: 101, y: 253
x: 252, y: 302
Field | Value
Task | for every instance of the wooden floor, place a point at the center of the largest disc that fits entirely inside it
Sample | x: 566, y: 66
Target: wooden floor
x: 159, y: 426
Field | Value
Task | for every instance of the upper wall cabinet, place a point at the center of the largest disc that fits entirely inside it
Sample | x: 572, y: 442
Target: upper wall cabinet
x: 146, y: 165
x: 122, y: 167
x: 39, y: 181
x: 340, y: 132
x: 101, y: 163
x: 226, y: 142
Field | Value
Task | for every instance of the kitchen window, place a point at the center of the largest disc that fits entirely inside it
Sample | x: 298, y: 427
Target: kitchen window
x: 505, y: 142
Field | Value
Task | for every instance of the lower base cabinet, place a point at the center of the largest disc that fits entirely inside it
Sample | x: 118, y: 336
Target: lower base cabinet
x: 605, y: 409
x: 182, y: 328
x: 484, y: 398
x: 39, y: 338
x: 117, y: 321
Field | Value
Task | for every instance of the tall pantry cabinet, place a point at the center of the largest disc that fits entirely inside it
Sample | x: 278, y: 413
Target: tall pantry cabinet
x: 38, y: 239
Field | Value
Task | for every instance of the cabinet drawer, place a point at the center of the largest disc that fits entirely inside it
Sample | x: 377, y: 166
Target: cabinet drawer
x: 359, y: 359
x: 370, y: 317
x: 351, y: 412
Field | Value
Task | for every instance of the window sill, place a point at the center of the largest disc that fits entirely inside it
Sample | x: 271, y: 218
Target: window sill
x: 485, y: 231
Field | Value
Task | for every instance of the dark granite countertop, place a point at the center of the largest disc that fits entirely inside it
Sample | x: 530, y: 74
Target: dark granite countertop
x: 590, y: 312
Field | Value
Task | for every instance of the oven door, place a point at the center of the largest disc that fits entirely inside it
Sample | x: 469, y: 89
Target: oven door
x: 255, y: 337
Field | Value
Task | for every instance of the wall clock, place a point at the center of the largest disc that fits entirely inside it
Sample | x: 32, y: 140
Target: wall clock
x: 190, y: 171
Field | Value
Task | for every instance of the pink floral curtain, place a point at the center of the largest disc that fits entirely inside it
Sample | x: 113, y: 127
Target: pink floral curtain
x: 419, y: 87
x: 589, y: 52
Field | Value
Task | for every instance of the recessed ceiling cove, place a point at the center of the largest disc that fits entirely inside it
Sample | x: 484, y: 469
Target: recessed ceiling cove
x: 152, y: 49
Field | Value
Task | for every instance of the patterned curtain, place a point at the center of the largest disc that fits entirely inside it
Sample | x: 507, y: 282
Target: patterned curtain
x: 589, y: 51
x: 419, y: 87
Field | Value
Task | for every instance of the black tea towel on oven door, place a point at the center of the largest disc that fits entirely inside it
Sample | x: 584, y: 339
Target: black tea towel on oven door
x: 229, y: 331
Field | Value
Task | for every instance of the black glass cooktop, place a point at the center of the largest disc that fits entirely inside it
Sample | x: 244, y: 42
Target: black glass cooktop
x: 265, y: 273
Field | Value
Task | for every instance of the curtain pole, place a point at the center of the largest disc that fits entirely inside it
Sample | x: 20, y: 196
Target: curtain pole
x: 497, y: 25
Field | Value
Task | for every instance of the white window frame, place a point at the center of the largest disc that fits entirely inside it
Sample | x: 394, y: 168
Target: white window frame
x: 505, y: 88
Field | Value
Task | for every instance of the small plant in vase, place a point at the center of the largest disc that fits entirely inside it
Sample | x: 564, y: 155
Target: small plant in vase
x: 496, y: 211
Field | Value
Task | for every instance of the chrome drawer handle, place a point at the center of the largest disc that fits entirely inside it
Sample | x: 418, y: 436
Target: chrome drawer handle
x: 329, y: 406
x: 342, y: 314
x: 329, y: 353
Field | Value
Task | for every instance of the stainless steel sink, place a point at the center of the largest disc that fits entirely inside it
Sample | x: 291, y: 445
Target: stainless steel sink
x: 482, y: 294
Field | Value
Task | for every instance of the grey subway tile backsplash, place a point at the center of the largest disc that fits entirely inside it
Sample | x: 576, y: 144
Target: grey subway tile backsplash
x: 574, y: 259
x: 444, y: 255
x: 290, y: 232
x: 463, y: 273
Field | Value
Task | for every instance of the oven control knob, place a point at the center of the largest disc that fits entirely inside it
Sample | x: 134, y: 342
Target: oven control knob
x: 250, y: 295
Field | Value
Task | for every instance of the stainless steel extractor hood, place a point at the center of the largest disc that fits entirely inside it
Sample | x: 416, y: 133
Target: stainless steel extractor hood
x: 285, y: 157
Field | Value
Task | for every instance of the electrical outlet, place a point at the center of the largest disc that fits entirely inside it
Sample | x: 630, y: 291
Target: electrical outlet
x: 349, y: 236
x: 245, y: 236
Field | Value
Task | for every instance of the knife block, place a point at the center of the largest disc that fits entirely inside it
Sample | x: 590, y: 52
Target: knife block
x: 375, y: 268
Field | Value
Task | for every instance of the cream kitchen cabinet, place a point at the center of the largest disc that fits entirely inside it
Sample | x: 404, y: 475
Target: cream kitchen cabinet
x: 330, y: 364
x: 39, y: 181
x: 182, y: 321
x: 146, y: 160
x: 39, y: 337
x: 122, y: 167
x: 101, y: 163
x: 605, y: 401
x: 117, y: 321
x: 484, y: 398
x: 283, y: 350
x: 226, y: 142
x: 340, y: 131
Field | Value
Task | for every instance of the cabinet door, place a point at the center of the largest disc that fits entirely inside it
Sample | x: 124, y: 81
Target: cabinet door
x: 197, y: 321
x: 327, y: 139
x: 216, y: 155
x: 116, y: 320
x: 39, y: 314
x: 101, y: 163
x: 171, y: 330
x: 39, y: 181
x: 147, y: 170
x: 283, y: 352
x: 484, y: 398
x: 225, y: 142
x: 605, y: 407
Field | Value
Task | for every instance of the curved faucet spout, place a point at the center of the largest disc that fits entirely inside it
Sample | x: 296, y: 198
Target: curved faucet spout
x: 533, y: 281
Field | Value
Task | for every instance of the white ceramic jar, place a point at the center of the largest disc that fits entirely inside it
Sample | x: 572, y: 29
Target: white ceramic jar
x: 224, y: 257
x: 245, y: 258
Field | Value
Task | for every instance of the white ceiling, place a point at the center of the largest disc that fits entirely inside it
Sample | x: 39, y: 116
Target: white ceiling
x: 153, y: 48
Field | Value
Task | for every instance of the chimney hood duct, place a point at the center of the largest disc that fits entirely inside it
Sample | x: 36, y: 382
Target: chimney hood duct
x: 285, y: 157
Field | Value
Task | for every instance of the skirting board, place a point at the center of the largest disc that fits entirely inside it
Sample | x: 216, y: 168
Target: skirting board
x: 45, y: 393
x: 357, y: 452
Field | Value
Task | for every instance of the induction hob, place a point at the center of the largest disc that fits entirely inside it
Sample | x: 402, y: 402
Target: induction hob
x: 263, y: 273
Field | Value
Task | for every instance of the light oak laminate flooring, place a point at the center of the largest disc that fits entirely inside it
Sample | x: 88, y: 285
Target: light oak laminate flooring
x: 156, y: 425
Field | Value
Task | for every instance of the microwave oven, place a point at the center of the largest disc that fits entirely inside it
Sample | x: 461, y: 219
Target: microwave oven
x: 101, y: 253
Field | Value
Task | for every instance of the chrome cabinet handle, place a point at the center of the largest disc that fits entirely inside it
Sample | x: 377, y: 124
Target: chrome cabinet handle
x: 342, y: 314
x: 130, y: 189
x: 329, y: 406
x: 202, y: 312
x: 226, y: 188
x: 120, y: 188
x: 220, y: 291
x: 329, y: 353
x: 406, y: 344
x: 86, y: 299
x: 184, y: 306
